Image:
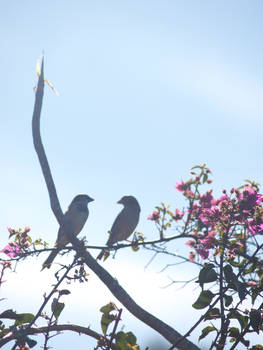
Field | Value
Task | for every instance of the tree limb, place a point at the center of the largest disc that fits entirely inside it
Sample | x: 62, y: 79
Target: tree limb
x: 59, y: 328
x: 162, y: 328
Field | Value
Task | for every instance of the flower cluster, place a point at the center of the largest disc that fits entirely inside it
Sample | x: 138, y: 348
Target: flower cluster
x: 233, y: 215
x: 215, y: 222
x: 21, y: 243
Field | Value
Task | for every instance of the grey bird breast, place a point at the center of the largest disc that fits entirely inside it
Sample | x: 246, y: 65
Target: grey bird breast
x: 124, y: 224
x: 75, y: 220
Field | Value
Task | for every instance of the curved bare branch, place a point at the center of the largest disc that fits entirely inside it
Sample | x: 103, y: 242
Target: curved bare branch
x: 112, y: 284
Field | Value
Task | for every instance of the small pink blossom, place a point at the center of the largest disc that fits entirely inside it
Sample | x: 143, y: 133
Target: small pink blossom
x: 155, y: 216
x: 209, y: 216
x: 191, y: 243
x: 178, y: 215
x: 207, y: 200
x: 249, y: 198
x: 204, y: 253
x: 252, y: 283
x: 254, y: 229
x: 209, y: 241
x: 11, y: 230
x: 192, y: 256
x: 12, y: 250
x: 180, y: 186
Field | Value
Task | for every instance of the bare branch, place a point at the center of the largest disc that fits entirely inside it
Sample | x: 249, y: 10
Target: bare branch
x: 60, y: 328
x: 162, y: 328
x: 54, y: 202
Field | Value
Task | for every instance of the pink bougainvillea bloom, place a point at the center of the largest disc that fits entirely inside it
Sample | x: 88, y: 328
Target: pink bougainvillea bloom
x: 249, y: 198
x: 180, y: 186
x: 11, y: 230
x: 207, y: 200
x: 209, y: 241
x: 192, y: 256
x: 252, y: 283
x: 203, y: 253
x: 210, y: 216
x: 27, y: 229
x: 155, y: 216
x: 178, y: 214
x: 223, y: 198
x: 190, y: 243
x: 255, y: 228
x: 12, y: 250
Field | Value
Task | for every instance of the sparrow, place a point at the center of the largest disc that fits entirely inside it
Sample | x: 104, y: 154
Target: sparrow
x: 125, y: 223
x: 75, y: 218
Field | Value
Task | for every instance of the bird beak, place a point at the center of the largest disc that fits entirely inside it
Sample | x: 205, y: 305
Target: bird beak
x: 91, y: 199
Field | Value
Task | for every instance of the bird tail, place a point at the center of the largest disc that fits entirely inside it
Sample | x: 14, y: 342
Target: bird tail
x: 101, y: 254
x: 50, y: 259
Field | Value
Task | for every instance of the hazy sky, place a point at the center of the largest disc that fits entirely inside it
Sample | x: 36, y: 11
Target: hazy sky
x: 147, y: 89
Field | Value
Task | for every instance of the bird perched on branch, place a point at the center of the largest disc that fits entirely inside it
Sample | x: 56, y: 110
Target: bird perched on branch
x: 125, y: 223
x: 75, y: 218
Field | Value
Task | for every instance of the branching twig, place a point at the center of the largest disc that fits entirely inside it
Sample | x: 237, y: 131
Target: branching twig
x: 59, y: 328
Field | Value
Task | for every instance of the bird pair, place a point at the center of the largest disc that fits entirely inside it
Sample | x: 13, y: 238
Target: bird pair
x: 77, y: 214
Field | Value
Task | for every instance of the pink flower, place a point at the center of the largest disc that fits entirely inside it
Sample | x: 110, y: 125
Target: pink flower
x: 180, y: 186
x: 155, y: 216
x: 207, y: 200
x: 178, y: 215
x: 252, y: 283
x: 203, y: 253
x: 11, y: 230
x: 209, y: 216
x: 209, y: 241
x: 191, y: 243
x: 254, y: 229
x: 192, y: 256
x: 249, y: 198
x: 12, y: 250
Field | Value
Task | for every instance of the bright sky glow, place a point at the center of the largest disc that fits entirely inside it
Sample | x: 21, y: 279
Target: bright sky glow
x: 147, y: 89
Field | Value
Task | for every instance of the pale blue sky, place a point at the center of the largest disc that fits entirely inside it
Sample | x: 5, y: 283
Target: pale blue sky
x: 147, y: 90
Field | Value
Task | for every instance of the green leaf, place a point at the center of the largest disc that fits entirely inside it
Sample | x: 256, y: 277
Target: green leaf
x: 9, y: 314
x: 126, y: 341
x: 233, y: 332
x: 207, y: 274
x: 64, y: 292
x: 234, y: 314
x: 229, y: 274
x: 106, y: 309
x: 213, y: 314
x: 57, y: 307
x: 228, y: 300
x: 24, y: 318
x: 31, y: 343
x: 203, y: 300
x: 206, y: 331
x: 255, y: 319
x: 106, y: 320
x: 131, y: 339
x: 242, y: 291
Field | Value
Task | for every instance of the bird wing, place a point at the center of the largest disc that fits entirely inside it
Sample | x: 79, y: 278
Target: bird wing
x: 123, y: 226
x: 75, y: 220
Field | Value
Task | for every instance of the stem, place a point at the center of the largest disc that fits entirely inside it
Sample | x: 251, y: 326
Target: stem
x: 114, y: 329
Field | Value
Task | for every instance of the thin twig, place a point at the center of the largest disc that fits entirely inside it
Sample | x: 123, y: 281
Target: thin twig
x: 114, y: 328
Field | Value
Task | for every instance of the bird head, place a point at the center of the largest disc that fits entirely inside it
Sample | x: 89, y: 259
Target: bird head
x: 82, y: 198
x: 129, y: 201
